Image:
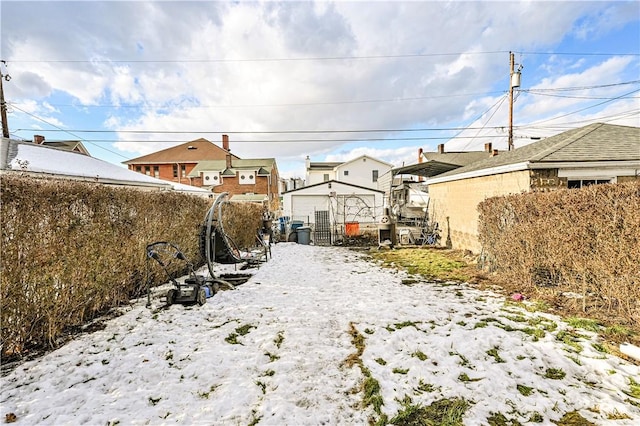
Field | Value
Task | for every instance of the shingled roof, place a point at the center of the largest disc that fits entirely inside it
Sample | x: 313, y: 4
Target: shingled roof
x: 261, y: 165
x: 590, y: 144
x: 188, y: 152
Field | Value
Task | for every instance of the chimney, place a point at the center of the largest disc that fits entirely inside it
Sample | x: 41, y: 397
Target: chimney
x: 487, y: 147
x: 38, y: 139
x: 307, y: 163
x: 225, y: 142
x: 494, y: 153
x: 419, y: 155
x: 441, y: 148
x: 228, y: 160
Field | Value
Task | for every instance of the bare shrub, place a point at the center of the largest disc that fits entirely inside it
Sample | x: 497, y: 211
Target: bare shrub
x: 583, y: 241
x: 242, y: 222
x: 72, y: 250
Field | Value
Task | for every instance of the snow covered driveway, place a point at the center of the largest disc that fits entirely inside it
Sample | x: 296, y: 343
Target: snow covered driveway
x: 295, y: 344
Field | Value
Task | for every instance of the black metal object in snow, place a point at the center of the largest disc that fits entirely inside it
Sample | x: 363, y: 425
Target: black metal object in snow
x: 322, y: 230
x: 216, y: 246
x: 194, y: 289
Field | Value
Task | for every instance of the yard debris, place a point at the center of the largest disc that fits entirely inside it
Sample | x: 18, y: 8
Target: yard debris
x: 518, y: 297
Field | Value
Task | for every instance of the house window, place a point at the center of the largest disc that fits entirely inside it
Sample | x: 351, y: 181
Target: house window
x: 147, y: 170
x: 156, y: 172
x: 374, y: 175
x: 326, y: 177
x: 139, y: 169
x: 579, y: 183
x: 175, y: 170
x: 184, y: 170
x: 346, y: 172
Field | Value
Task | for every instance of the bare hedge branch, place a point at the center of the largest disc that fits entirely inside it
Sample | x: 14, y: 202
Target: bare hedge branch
x: 72, y: 250
x: 583, y: 241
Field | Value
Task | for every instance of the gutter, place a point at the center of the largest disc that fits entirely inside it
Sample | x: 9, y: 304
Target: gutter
x: 516, y: 167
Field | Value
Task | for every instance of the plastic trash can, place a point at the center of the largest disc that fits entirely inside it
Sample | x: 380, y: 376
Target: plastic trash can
x: 304, y: 235
x: 295, y: 224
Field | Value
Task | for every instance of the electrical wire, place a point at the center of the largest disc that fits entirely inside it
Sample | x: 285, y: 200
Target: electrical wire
x: 70, y: 133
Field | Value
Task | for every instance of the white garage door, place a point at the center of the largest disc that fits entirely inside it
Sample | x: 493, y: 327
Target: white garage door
x: 303, y: 207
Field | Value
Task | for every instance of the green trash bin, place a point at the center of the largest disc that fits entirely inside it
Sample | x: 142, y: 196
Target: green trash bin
x: 304, y: 235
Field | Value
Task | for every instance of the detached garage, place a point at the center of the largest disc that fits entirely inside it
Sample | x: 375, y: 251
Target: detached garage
x: 329, y: 206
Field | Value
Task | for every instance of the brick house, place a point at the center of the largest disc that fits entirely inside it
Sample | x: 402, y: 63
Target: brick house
x: 594, y: 154
x: 250, y: 180
x: 176, y: 163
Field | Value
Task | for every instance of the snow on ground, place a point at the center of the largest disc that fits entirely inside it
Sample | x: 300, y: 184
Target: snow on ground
x: 274, y: 352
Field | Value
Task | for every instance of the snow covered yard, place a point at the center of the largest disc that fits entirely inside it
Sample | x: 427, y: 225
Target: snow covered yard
x: 320, y: 335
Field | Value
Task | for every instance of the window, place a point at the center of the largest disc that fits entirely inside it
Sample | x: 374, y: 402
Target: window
x: 184, y: 170
x: 326, y: 177
x: 156, y: 172
x: 346, y: 172
x: 139, y: 169
x: 175, y: 170
x: 579, y: 183
x: 374, y: 175
x: 147, y: 170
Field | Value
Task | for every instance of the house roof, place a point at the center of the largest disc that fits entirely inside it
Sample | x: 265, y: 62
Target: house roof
x: 188, y: 152
x: 441, y: 162
x: 324, y: 166
x: 333, y: 181
x: 364, y: 156
x: 331, y: 165
x: 75, y: 146
x: 593, y: 143
x: 33, y: 158
x: 258, y: 164
x: 249, y: 198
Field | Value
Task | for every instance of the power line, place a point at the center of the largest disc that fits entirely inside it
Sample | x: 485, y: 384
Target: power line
x: 315, y: 58
x: 365, y: 101
x: 227, y: 132
x: 203, y: 60
x: 586, y: 108
x: 68, y: 132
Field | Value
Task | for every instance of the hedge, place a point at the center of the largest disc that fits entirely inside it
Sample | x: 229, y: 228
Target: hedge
x: 583, y: 242
x: 73, y: 250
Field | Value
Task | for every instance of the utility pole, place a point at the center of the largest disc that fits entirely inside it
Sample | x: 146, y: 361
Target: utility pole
x: 514, y: 81
x: 3, y: 104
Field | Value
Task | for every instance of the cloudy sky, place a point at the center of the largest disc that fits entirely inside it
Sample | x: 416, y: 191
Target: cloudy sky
x: 332, y: 80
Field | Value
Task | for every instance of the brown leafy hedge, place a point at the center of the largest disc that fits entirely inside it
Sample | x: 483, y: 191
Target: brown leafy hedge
x: 583, y: 242
x: 73, y: 250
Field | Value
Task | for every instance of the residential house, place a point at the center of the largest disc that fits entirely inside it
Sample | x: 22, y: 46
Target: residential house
x: 362, y: 171
x: 73, y: 146
x: 251, y: 180
x: 40, y: 160
x: 176, y: 163
x: 594, y: 154
x: 328, y: 207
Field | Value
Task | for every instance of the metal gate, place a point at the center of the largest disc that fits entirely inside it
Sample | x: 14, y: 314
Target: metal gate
x: 322, y: 232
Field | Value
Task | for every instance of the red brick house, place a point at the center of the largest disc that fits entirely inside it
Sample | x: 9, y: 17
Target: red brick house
x: 203, y: 164
x: 174, y: 164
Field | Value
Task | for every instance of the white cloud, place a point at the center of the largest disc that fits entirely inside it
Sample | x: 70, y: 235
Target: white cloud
x: 185, y: 67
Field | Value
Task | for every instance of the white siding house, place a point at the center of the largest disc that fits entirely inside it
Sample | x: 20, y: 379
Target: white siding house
x: 363, y: 171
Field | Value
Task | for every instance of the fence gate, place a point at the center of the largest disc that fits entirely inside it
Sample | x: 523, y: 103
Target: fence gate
x: 322, y: 233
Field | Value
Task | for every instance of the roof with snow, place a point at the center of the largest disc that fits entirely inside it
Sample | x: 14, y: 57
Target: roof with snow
x: 32, y: 158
